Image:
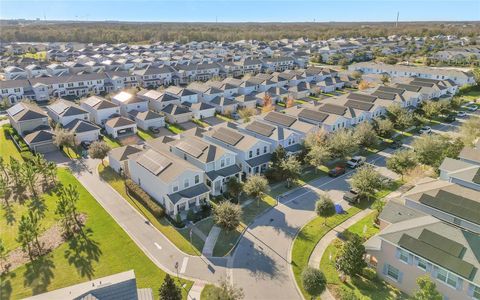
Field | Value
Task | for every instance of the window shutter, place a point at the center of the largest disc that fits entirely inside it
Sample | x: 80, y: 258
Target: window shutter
x: 429, y: 267
x: 400, y: 276
x: 410, y: 259
x: 471, y: 287
x: 459, y: 284
x: 397, y: 253
x: 384, y: 271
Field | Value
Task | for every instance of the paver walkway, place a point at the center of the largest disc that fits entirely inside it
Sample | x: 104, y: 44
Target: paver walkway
x: 211, y: 241
x: 316, y: 256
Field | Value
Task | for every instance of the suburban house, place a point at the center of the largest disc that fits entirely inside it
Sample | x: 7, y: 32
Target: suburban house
x: 100, y: 109
x: 185, y: 95
x: 118, y: 157
x: 40, y: 141
x: 83, y: 130
x: 129, y: 102
x: 26, y: 118
x: 157, y: 100
x: 147, y: 119
x: 177, y: 113
x: 253, y: 154
x: 291, y: 123
x: 201, y: 110
x: 173, y: 182
x: 224, y: 105
x: 120, y: 126
x: 64, y: 112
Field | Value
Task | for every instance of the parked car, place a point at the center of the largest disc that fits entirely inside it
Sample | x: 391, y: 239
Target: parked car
x: 356, y: 161
x: 85, y: 145
x: 351, y: 196
x: 450, y: 118
x: 396, y: 144
x: 472, y: 107
x: 425, y: 130
x: 154, y: 129
x: 337, y: 171
x: 236, y: 116
x: 461, y: 114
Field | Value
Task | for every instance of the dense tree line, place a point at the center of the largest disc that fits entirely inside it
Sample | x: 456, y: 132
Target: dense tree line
x: 123, y: 32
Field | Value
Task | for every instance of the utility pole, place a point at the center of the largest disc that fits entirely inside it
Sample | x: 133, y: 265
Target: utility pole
x: 396, y: 23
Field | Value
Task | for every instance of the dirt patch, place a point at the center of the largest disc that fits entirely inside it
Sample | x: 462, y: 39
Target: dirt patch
x: 51, y: 239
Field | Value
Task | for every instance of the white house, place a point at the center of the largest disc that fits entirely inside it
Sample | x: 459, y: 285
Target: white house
x: 129, y: 102
x: 100, y: 109
x: 64, y: 112
x: 120, y: 126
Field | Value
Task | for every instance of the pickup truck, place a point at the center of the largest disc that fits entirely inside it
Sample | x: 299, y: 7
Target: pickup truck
x: 351, y: 196
x: 356, y: 161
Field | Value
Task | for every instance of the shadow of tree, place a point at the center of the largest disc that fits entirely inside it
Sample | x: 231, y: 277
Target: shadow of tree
x: 39, y: 274
x: 82, y: 252
x: 9, y: 214
x: 6, y: 285
x: 38, y: 204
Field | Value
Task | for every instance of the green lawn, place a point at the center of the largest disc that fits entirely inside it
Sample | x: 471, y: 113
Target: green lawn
x: 308, y: 237
x: 72, y: 153
x: 364, y: 287
x: 113, y: 143
x: 470, y: 93
x: 206, y: 292
x: 300, y: 101
x: 175, y: 128
x: 145, y: 135
x: 227, y: 240
x: 109, y: 250
x: 200, y: 123
x: 224, y: 118
x: 7, y: 147
x: 308, y: 175
x: 181, y: 238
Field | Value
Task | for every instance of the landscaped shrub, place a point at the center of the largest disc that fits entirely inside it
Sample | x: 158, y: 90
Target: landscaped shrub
x: 347, y: 294
x: 139, y: 194
x: 27, y: 155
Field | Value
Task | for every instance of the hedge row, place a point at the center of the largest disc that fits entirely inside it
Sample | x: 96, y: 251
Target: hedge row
x: 134, y: 190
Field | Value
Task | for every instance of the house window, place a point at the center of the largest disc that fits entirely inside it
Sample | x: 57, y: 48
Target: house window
x: 228, y: 161
x: 250, y: 154
x: 422, y: 264
x: 265, y: 149
x: 476, y: 293
x: 446, y: 277
x: 175, y: 188
x: 258, y: 151
x: 222, y: 163
x: 393, y: 272
x: 403, y: 256
x: 186, y: 183
x: 197, y: 179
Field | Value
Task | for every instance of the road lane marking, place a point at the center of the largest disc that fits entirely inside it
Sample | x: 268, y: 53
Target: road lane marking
x: 184, y: 265
x: 158, y: 246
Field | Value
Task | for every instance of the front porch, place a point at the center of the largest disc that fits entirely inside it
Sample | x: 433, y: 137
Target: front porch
x: 181, y: 202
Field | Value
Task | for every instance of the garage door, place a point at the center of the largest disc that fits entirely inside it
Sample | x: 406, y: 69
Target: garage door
x: 45, y: 148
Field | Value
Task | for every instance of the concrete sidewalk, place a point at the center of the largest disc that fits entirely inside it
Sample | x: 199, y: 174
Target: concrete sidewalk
x: 196, y: 290
x: 211, y: 241
x: 316, y: 256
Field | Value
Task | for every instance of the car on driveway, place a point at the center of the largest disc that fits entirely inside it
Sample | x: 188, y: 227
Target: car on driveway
x: 337, y: 171
x: 154, y: 129
x: 356, y: 161
x: 395, y: 145
x: 450, y: 118
x: 425, y: 130
x: 461, y: 114
x: 472, y: 107
x: 351, y: 196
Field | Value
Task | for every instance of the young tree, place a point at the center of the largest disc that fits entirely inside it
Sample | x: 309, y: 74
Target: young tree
x: 256, y: 186
x: 169, y: 290
x: 28, y: 232
x: 385, y: 78
x: 29, y: 175
x: 290, y: 102
x: 313, y: 281
x: 470, y: 130
x: 431, y: 109
x: 291, y: 169
x: 357, y: 75
x: 324, y: 207
x: 234, y: 187
x: 267, y: 103
x: 99, y: 150
x: 67, y: 208
x: 429, y: 149
x: 365, y: 134
x: 350, y: 260
x: 227, y: 215
x: 427, y: 290
x: 384, y: 127
x: 318, y: 156
x: 63, y: 138
x: 363, y: 85
x: 40, y: 164
x: 401, y: 161
x: 225, y: 291
x: 394, y: 111
x: 246, y: 113
x: 317, y: 138
x: 14, y: 172
x: 52, y: 171
x: 404, y: 120
x: 366, y: 181
x: 342, y: 143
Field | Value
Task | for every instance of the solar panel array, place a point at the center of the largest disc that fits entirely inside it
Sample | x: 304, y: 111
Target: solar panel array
x: 389, y: 89
x: 15, y: 109
x: 454, y: 204
x: 361, y: 97
x: 359, y: 105
x: 195, y: 150
x: 93, y: 101
x: 279, y: 118
x: 59, y: 107
x: 333, y: 109
x: 154, y: 162
x: 384, y: 95
x: 442, y: 243
x: 437, y: 256
x: 227, y: 136
x: 260, y: 128
x: 313, y: 115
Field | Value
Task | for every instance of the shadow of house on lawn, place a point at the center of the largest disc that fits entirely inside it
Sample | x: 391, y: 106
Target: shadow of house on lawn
x: 39, y: 274
x: 82, y: 252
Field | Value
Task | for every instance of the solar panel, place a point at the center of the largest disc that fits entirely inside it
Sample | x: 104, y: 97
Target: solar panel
x: 313, y: 115
x: 190, y: 149
x: 442, y: 243
x: 333, y: 109
x: 93, y: 101
x: 437, y: 256
x: 454, y: 204
x: 260, y: 128
x: 389, y: 89
x: 359, y: 105
x: 279, y: 118
x: 59, y: 107
x: 361, y: 97
x: 154, y: 162
x: 227, y: 136
x: 15, y: 109
x: 384, y: 95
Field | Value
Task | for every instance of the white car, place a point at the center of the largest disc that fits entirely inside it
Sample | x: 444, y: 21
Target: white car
x: 472, y: 108
x: 425, y: 130
x: 356, y: 161
x: 461, y: 114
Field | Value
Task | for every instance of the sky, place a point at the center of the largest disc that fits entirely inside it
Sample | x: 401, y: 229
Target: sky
x: 242, y: 11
